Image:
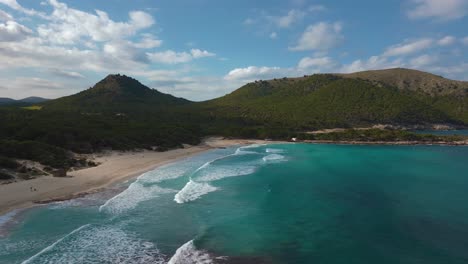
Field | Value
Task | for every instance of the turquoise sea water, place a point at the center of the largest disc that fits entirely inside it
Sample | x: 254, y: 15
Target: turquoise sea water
x: 284, y: 203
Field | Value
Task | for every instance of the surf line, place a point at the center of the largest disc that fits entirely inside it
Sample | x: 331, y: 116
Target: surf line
x: 53, y: 245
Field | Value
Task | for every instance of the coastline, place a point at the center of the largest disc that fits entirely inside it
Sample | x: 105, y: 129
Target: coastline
x: 114, y: 167
x: 121, y: 166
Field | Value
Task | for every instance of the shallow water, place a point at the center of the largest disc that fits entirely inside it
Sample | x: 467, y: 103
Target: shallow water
x: 285, y: 203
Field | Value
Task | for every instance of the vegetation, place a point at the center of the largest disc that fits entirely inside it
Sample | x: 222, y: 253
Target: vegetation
x: 379, y: 135
x: 33, y: 107
x: 121, y: 113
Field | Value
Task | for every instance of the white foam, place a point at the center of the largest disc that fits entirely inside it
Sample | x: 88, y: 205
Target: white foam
x: 49, y: 248
x: 220, y: 172
x: 7, y: 218
x: 189, y: 254
x: 273, y: 150
x: 192, y: 191
x: 273, y: 158
x: 130, y: 198
x: 99, y: 244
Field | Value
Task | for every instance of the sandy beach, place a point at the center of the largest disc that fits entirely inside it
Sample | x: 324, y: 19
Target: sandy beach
x: 114, y: 167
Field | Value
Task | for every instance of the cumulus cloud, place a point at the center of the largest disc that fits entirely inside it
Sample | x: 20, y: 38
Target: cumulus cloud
x: 318, y: 64
x: 447, y: 41
x: 270, y: 23
x: 408, y: 47
x: 196, y: 53
x: 4, y: 16
x: 70, y: 25
x: 148, y: 41
x: 320, y: 36
x: 438, y: 9
x: 422, y: 61
x: 172, y: 57
x: 13, y: 4
x: 254, y: 72
x: 12, y: 31
x: 289, y: 19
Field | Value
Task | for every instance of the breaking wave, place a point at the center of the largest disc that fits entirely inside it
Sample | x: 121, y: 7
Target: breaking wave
x: 130, y: 198
x: 192, y: 191
x: 221, y: 172
x: 189, y: 254
x: 273, y: 157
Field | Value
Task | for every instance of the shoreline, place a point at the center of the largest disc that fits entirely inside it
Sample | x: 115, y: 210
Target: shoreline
x: 121, y: 166
x: 114, y: 167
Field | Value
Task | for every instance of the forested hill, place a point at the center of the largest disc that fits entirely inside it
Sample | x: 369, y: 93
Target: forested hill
x: 331, y: 100
x: 413, y: 80
x: 118, y: 93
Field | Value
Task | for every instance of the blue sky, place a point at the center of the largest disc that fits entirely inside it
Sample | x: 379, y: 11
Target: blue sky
x: 201, y: 49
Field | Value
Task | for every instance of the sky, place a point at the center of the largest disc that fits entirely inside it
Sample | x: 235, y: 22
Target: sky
x: 202, y: 49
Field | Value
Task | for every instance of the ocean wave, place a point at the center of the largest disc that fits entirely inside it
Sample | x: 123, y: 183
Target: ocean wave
x: 273, y: 150
x: 131, y: 197
x: 99, y: 244
x: 220, y: 172
x: 274, y: 158
x: 8, y: 218
x: 189, y: 254
x: 192, y: 191
x: 49, y: 248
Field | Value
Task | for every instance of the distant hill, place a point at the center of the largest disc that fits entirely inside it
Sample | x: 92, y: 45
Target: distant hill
x: 116, y: 93
x: 337, y: 100
x: 28, y: 100
x: 413, y: 80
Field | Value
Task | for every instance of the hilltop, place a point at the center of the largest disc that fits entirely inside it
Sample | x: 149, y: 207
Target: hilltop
x: 115, y: 93
x: 413, y: 80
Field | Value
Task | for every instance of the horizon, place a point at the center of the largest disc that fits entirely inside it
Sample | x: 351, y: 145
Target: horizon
x: 49, y: 52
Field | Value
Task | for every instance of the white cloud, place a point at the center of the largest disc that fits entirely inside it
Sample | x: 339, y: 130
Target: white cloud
x: 408, y: 47
x: 422, y: 61
x: 274, y: 35
x: 447, y: 41
x: 172, y: 57
x: 197, y: 54
x: 70, y: 25
x: 253, y: 73
x: 66, y: 74
x: 148, y: 42
x: 13, y: 4
x: 289, y: 19
x: 12, y: 31
x: 320, y: 36
x: 318, y: 64
x: 4, y: 16
x: 438, y: 9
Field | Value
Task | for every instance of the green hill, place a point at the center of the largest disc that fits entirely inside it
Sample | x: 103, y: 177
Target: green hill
x: 413, y: 80
x: 117, y: 93
x: 327, y: 101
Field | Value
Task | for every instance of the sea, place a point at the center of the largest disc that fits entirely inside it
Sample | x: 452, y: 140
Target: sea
x: 274, y: 203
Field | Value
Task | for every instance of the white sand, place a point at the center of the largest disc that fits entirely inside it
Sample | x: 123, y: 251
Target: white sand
x: 114, y: 167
